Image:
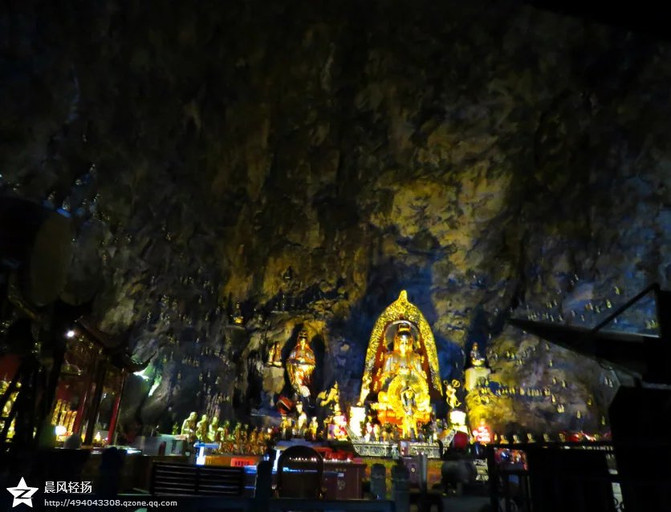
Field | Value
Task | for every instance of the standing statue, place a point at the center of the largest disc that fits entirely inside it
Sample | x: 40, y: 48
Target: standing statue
x: 409, y: 423
x: 301, y: 364
x: 451, y: 393
x: 313, y: 429
x: 301, y: 421
x: 285, y: 428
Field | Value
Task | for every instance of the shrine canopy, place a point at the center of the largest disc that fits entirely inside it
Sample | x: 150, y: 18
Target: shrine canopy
x: 381, y: 340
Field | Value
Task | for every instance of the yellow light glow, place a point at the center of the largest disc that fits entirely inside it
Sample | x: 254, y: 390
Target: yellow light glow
x: 457, y: 417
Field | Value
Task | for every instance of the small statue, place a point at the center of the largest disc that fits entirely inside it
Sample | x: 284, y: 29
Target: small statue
x: 301, y: 421
x: 189, y: 427
x: 224, y: 432
x: 409, y: 423
x: 252, y: 440
x: 368, y: 431
x: 376, y: 432
x: 330, y: 397
x: 285, y: 428
x: 339, y: 424
x: 301, y: 364
x: 313, y: 429
x: 214, y: 434
x: 476, y: 358
x: 203, y: 429
x: 409, y: 427
x: 451, y: 394
x: 238, y: 319
x: 275, y: 355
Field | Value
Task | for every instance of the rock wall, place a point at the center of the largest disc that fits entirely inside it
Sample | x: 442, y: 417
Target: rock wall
x: 487, y: 158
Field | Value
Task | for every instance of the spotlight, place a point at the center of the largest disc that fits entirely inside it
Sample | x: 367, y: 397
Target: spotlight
x: 60, y: 430
x: 70, y: 334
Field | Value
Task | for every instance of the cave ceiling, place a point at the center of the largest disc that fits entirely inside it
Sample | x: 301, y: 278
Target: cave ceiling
x: 490, y: 159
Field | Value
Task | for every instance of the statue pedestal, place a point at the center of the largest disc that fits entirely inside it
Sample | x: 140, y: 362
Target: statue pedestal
x: 473, y: 376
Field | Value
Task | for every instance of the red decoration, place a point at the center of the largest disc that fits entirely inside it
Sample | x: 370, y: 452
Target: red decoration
x: 482, y: 434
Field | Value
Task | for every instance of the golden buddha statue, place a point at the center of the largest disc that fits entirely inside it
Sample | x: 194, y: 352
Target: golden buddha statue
x: 301, y: 364
x: 402, y: 383
x: 451, y: 393
x: 401, y: 371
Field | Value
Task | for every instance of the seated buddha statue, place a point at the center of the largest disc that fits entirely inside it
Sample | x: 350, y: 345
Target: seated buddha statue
x: 402, y: 382
x: 401, y: 374
x: 301, y: 364
x: 477, y: 359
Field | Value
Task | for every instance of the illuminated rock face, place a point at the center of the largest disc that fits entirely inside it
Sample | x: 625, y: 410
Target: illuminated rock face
x: 483, y: 158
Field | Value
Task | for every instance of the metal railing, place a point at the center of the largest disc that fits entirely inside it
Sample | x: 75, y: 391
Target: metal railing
x: 573, y: 477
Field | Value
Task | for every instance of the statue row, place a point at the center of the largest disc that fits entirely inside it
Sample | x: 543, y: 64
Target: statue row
x: 238, y: 439
x: 334, y: 426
